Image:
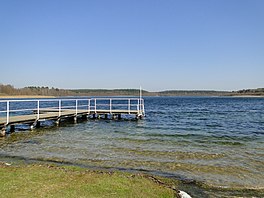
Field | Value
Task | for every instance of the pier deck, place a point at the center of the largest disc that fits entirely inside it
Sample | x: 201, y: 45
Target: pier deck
x: 32, y: 112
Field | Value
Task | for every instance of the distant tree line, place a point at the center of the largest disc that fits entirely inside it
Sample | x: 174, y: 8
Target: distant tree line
x: 192, y: 93
x: 38, y: 91
x: 46, y: 91
x: 107, y: 92
x: 258, y: 91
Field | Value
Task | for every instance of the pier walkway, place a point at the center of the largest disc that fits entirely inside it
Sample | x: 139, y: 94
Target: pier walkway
x: 32, y: 112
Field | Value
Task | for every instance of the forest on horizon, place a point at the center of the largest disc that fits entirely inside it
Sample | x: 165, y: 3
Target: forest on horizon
x: 10, y: 90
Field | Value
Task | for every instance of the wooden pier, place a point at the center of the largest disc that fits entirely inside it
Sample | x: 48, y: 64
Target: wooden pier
x: 32, y: 112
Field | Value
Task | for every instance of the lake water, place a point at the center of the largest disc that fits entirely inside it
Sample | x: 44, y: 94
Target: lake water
x: 214, y: 146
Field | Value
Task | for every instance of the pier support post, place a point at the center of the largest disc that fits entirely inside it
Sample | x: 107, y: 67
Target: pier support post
x: 139, y: 117
x: 119, y: 117
x: 35, y: 124
x: 12, y: 128
x: 38, y: 124
x: 106, y: 116
x: 75, y: 119
x: 32, y: 126
x: 94, y: 116
x: 84, y: 117
x: 57, y: 122
x: 3, y: 131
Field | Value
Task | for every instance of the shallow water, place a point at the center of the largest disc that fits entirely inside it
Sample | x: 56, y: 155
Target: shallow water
x: 216, y: 142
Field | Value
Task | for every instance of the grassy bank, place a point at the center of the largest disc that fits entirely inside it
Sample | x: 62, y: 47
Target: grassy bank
x: 53, y: 181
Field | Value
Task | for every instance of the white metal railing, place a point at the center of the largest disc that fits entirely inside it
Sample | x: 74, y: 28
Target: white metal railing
x: 9, y: 108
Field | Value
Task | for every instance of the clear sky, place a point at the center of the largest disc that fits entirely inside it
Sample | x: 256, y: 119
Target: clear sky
x: 158, y: 44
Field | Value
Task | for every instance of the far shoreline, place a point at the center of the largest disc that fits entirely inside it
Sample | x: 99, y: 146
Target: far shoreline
x: 43, y: 97
x: 24, y: 96
x: 247, y: 96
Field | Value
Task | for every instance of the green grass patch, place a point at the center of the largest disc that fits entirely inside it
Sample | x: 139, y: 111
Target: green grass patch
x: 55, y: 181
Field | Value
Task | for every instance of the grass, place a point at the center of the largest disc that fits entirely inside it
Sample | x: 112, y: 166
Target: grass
x: 55, y: 181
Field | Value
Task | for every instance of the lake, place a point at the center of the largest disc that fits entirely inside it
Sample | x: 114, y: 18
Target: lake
x: 213, y: 144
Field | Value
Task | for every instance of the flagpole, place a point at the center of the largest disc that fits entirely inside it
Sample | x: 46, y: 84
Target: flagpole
x: 140, y: 98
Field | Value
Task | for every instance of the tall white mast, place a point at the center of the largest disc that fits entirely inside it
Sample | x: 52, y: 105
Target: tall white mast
x: 140, y: 98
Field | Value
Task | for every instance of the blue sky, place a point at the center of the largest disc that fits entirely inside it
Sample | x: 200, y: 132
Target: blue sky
x: 158, y: 44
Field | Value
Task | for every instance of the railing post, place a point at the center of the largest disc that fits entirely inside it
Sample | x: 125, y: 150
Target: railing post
x: 7, y: 112
x: 38, y: 111
x: 59, y: 108
x: 76, y: 106
x: 89, y: 105
x: 128, y: 106
x: 110, y: 106
x: 94, y: 105
x: 138, y: 105
x: 140, y: 99
x: 143, y: 107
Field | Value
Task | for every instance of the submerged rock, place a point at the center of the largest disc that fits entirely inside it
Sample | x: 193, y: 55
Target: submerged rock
x: 183, y: 194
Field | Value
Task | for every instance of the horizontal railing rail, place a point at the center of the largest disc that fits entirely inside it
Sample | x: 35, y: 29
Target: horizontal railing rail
x: 10, y: 108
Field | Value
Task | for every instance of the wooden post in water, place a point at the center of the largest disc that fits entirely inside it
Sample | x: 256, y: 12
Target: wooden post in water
x: 12, y: 128
x: 3, y: 131
x: 75, y: 119
x: 139, y: 117
x: 32, y: 126
x: 58, y: 121
x: 84, y: 117
x: 38, y: 124
x: 35, y: 124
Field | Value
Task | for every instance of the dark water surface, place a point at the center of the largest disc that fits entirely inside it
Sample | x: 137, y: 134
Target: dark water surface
x: 216, y: 142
